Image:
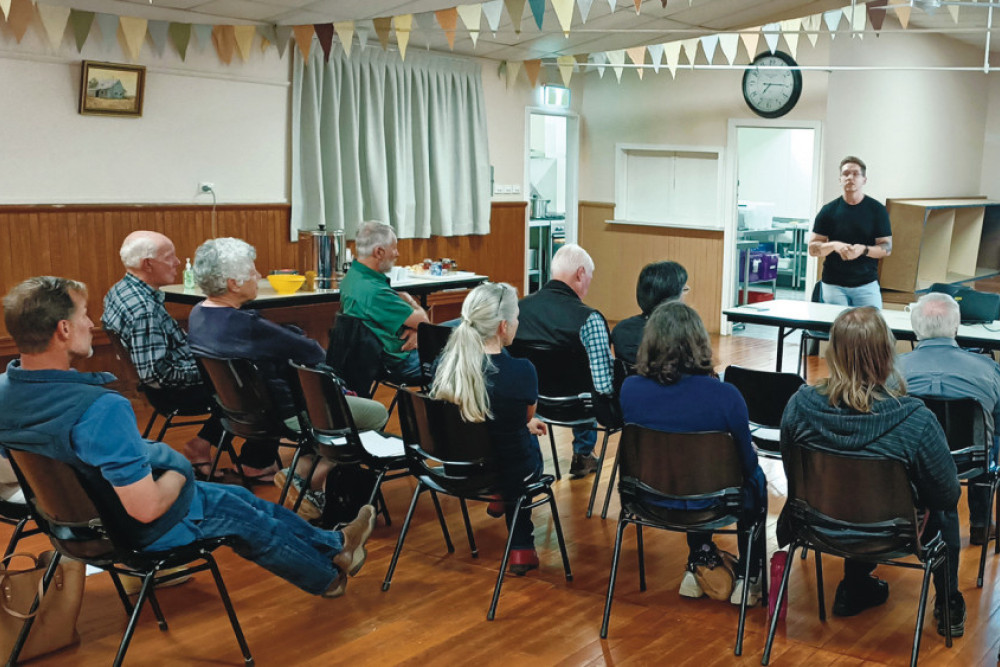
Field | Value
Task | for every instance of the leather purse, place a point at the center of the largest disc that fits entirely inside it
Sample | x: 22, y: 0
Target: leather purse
x: 55, y: 619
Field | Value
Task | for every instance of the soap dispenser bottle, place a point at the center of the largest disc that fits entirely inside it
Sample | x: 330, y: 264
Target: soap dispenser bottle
x: 188, y: 275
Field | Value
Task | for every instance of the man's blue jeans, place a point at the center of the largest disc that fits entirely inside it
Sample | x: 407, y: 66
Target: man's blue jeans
x: 584, y: 439
x: 271, y: 536
x: 406, y: 371
x: 862, y: 295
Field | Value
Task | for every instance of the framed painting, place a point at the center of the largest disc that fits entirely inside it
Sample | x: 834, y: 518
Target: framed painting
x: 110, y: 89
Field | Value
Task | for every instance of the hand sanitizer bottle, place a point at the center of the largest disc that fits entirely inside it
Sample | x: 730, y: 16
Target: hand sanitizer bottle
x: 188, y: 275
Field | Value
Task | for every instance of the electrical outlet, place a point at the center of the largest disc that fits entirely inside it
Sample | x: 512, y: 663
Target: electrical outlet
x: 206, y: 187
x: 508, y: 189
x: 516, y: 190
x: 497, y: 189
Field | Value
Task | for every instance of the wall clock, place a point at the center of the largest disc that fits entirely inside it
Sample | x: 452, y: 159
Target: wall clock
x: 771, y: 93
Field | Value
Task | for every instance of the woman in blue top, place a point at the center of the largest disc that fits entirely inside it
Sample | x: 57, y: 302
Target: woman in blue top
x: 478, y: 375
x: 677, y: 390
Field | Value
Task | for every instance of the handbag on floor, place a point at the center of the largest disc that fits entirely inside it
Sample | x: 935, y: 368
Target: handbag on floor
x: 715, y: 570
x: 55, y: 619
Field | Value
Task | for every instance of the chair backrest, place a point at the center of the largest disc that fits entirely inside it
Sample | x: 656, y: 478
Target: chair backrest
x: 355, y: 354
x: 766, y: 392
x: 126, y: 367
x: 622, y: 369
x: 248, y: 411
x: 964, y: 424
x: 562, y: 371
x: 328, y: 416
x: 431, y: 339
x: 850, y: 504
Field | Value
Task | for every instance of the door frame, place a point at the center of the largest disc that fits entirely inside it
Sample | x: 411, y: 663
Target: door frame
x: 572, y: 162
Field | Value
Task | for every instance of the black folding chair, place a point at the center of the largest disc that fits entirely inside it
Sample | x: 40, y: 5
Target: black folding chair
x: 810, y: 336
x: 875, y: 522
x: 84, y: 519
x: 659, y: 467
x: 971, y: 445
x: 451, y: 456
x: 431, y: 339
x: 766, y: 394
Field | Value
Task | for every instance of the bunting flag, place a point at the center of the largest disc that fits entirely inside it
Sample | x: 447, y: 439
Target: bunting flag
x: 566, y: 65
x: 224, y: 40
x: 81, y: 22
x: 953, y: 10
x: 243, y: 34
x: 672, y: 52
x: 284, y: 34
x: 5, y: 8
x: 133, y: 31
x: 617, y: 60
x: 538, y: 11
x: 427, y: 24
x: 656, y: 55
x: 730, y: 42
x: 268, y: 35
x: 750, y: 39
x: 382, y: 27
x: 324, y: 33
x: 54, y: 21
x: 564, y: 12
x: 513, y: 69
x: 345, y: 31
x: 303, y: 39
x: 770, y: 31
x: 832, y: 21
x: 492, y: 11
x: 531, y: 68
x: 790, y: 29
x: 363, y: 29
x: 613, y: 4
x: 516, y: 10
x: 637, y: 54
x: 690, y: 49
x: 180, y: 35
x: 708, y: 45
x: 638, y: 4
x: 107, y: 24
x: 876, y: 14
x: 584, y: 6
x: 859, y: 19
x: 448, y: 20
x: 203, y: 33
x: 902, y: 11
x: 811, y: 25
x: 472, y: 17
x: 404, y: 23
x: 158, y: 34
x: 600, y: 59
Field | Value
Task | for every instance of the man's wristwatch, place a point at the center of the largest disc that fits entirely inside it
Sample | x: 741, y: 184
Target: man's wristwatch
x: 866, y: 251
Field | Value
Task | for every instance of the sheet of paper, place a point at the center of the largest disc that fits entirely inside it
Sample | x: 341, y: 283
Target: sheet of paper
x: 377, y: 444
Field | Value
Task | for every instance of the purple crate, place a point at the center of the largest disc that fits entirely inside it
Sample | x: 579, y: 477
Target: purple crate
x: 763, y: 265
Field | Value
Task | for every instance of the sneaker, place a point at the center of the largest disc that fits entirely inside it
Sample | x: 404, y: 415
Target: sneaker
x: 308, y: 509
x: 582, y: 465
x: 353, y: 554
x: 338, y: 587
x: 496, y: 509
x: 956, y: 610
x: 753, y: 595
x: 690, y: 588
x: 979, y: 534
x: 523, y: 560
x: 866, y: 594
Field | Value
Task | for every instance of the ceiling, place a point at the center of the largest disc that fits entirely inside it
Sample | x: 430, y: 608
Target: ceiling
x: 604, y: 30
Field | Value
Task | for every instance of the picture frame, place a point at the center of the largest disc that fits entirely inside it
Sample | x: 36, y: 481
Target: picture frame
x: 111, y: 89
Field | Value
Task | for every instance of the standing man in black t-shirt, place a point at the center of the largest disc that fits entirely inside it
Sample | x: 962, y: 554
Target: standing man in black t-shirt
x: 853, y: 233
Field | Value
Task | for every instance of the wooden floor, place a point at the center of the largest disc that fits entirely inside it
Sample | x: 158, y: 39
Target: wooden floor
x: 435, y: 612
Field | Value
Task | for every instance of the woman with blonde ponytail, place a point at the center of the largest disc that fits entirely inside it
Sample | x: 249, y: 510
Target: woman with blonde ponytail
x: 477, y: 374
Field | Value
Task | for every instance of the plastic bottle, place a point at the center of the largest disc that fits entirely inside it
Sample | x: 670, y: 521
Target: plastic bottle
x: 188, y: 275
x: 779, y: 561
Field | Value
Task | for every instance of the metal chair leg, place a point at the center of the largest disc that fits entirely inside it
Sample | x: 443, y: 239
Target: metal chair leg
x: 555, y: 454
x: 642, y: 556
x: 597, y: 475
x: 468, y: 528
x: 147, y: 585
x: 986, y: 540
x: 155, y: 604
x: 820, y: 591
x: 777, y: 607
x: 444, y: 526
x: 611, y: 487
x: 22, y: 636
x: 377, y: 499
x: 149, y: 424
x: 614, y: 575
x: 166, y: 425
x: 123, y: 596
x: 491, y: 614
x: 921, y: 609
x: 402, y: 536
x: 751, y: 538
x: 228, y: 604
x: 16, y: 536
x: 559, y: 533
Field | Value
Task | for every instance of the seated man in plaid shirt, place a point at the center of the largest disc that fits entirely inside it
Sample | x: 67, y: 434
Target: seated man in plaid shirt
x: 556, y: 315
x: 133, y: 309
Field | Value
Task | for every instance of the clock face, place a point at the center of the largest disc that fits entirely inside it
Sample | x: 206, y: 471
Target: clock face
x: 773, y: 91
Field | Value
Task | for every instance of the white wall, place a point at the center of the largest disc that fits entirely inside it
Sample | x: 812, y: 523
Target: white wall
x: 989, y: 182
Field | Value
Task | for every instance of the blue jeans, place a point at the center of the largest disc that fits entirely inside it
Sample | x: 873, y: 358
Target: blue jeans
x: 979, y: 497
x: 267, y: 534
x: 406, y: 371
x: 584, y: 439
x: 862, y: 295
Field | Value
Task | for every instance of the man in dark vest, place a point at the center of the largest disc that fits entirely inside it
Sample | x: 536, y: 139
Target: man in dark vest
x: 51, y: 409
x: 557, y: 316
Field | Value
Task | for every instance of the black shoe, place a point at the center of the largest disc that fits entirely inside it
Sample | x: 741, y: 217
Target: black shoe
x: 863, y: 595
x: 978, y: 534
x: 582, y: 465
x: 956, y: 609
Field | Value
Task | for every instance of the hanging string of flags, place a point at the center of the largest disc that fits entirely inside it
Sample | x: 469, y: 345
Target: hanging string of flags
x: 130, y: 33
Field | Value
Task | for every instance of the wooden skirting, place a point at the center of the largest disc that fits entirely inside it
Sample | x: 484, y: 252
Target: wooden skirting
x: 620, y: 252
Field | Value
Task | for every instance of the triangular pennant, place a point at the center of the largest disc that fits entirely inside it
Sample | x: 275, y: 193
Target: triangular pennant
x: 180, y: 35
x: 750, y: 38
x: 566, y: 65
x: 516, y: 10
x: 672, y: 52
x: 613, y: 4
x: 158, y: 34
x: 107, y: 24
x: 811, y: 25
x: 730, y: 42
x: 859, y: 19
x: 790, y: 30
x: 448, y: 20
x: 708, y: 45
x: 267, y: 32
x: 637, y: 54
x: 876, y: 13
x: 133, y: 32
x: 584, y: 6
x: 656, y: 55
x: 617, y: 60
x: 81, y: 22
x: 832, y: 20
x: 303, y: 39
x: 531, y: 68
x: 54, y: 21
x: 243, y: 34
x: 284, y: 34
x: 363, y: 29
x: 771, y: 34
x: 564, y: 13
x: 599, y: 60
x: 225, y: 42
x: 538, y: 11
x: 345, y: 32
x: 513, y: 69
x: 19, y: 15
x: 902, y: 11
x: 265, y: 44
x: 5, y: 8
x: 953, y: 10
x: 383, y: 26
x: 203, y: 33
x: 404, y: 24
x: 690, y: 49
x: 472, y: 16
x: 324, y: 32
x: 492, y: 11
x: 638, y: 4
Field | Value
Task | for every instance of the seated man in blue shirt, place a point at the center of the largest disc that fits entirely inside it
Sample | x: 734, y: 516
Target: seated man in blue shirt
x: 53, y: 410
x: 939, y: 368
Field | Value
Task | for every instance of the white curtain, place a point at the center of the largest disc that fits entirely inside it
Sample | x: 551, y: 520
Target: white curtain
x: 377, y: 138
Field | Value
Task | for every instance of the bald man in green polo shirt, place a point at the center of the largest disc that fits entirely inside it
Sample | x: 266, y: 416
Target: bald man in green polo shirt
x: 365, y: 293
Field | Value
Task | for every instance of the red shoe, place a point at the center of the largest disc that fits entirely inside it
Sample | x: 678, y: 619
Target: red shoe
x: 523, y: 560
x: 495, y: 509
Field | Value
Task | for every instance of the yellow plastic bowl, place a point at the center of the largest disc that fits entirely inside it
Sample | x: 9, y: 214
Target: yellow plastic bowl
x: 286, y: 284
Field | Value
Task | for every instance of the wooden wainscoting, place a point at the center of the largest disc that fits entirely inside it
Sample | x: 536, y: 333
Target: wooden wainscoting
x: 620, y: 252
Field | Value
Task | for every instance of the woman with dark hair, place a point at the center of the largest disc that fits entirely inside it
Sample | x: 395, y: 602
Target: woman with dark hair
x: 676, y: 390
x: 658, y: 282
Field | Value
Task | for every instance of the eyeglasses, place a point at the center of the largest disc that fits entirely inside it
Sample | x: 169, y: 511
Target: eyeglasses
x: 850, y: 174
x: 685, y: 289
x: 503, y: 291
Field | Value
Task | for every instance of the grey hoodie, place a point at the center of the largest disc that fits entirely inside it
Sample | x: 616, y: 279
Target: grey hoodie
x: 898, y: 428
